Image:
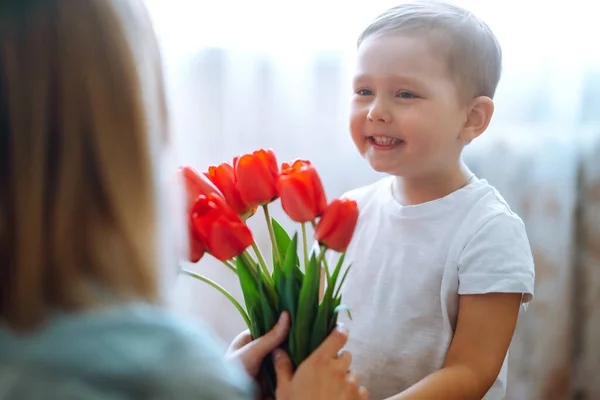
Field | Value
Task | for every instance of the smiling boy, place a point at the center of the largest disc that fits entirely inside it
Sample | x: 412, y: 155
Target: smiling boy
x: 441, y: 265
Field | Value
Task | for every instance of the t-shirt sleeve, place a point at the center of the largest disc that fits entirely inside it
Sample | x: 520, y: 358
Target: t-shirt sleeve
x: 498, y: 259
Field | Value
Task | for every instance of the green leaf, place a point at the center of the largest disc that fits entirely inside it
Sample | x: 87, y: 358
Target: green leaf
x: 269, y: 310
x: 290, y: 293
x: 321, y: 327
x: 307, y: 308
x: 337, y: 308
x: 334, y: 316
x: 290, y: 258
x: 289, y: 296
x: 289, y: 252
x: 339, y: 288
x: 298, y: 276
x: 279, y: 284
x: 277, y: 276
x: 291, y: 348
x: 255, y: 325
x: 250, y: 290
x: 281, y: 237
x: 326, y: 318
x: 337, y: 301
x: 336, y: 271
x: 343, y: 307
x: 270, y: 290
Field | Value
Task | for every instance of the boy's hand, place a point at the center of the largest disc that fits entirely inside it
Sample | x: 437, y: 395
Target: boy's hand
x: 252, y: 352
x: 324, y: 375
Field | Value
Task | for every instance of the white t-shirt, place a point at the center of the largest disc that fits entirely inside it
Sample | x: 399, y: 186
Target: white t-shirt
x: 409, y: 266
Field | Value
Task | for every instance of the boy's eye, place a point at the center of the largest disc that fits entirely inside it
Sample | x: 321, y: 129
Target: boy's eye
x: 406, y: 95
x: 364, y: 92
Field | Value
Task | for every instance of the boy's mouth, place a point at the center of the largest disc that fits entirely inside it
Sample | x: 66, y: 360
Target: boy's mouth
x: 384, y: 141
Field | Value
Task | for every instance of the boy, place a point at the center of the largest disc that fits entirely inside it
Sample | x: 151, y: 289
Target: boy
x: 441, y: 264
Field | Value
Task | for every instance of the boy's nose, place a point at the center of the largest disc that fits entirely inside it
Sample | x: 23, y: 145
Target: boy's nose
x: 378, y: 112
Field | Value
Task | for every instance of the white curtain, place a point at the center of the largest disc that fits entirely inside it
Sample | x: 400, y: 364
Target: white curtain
x: 274, y: 73
x: 248, y: 74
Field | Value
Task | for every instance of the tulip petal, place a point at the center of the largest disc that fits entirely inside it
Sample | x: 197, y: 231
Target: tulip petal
x: 224, y: 178
x: 271, y: 162
x: 326, y: 224
x: 301, y: 191
x: 256, y: 176
x: 196, y: 184
x: 216, y: 225
x: 337, y: 225
x: 295, y: 199
x: 318, y: 193
x: 196, y: 250
x: 228, y: 239
x: 345, y: 231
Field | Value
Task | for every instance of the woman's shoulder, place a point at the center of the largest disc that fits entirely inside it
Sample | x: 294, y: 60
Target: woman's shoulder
x: 140, y: 348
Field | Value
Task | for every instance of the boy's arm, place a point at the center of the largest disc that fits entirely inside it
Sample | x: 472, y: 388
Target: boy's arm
x: 484, y: 330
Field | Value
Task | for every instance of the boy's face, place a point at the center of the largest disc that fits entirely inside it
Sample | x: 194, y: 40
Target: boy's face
x: 406, y: 117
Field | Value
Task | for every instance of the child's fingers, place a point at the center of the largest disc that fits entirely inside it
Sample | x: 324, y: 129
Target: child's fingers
x: 333, y: 343
x: 363, y: 394
x: 240, y: 340
x: 344, y: 359
x: 265, y: 344
x: 283, y: 367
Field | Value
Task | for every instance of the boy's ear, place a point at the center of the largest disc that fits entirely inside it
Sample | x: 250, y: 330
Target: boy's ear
x: 478, y: 118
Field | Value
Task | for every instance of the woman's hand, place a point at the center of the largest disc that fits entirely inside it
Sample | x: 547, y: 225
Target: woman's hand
x: 252, y: 352
x: 324, y: 375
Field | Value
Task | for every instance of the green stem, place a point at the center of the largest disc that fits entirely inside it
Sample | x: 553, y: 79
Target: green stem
x: 250, y: 263
x: 272, y: 234
x: 261, y: 261
x: 305, y: 244
x: 223, y: 291
x: 230, y: 266
x: 322, y: 255
x: 268, y: 281
x: 324, y: 259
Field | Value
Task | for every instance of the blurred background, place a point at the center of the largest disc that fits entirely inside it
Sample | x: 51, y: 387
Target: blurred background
x: 243, y: 75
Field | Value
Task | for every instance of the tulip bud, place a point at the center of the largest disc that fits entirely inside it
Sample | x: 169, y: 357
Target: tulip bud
x: 256, y: 177
x: 221, y: 230
x: 301, y: 191
x: 336, y: 226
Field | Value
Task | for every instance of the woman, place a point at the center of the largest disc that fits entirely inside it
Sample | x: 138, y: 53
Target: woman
x: 82, y: 136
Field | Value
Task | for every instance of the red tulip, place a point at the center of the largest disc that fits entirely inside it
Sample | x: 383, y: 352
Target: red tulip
x: 301, y: 191
x: 196, y: 184
x: 221, y: 230
x: 336, y: 227
x: 196, y: 250
x: 256, y: 177
x: 223, y: 177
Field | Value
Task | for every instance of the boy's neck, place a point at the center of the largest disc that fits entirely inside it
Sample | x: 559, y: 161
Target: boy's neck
x: 418, y: 190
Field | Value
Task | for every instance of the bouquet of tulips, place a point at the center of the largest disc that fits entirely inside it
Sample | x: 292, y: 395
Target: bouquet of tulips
x: 223, y: 198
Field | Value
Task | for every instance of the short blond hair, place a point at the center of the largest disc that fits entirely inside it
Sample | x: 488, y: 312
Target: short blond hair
x: 473, y: 52
x: 77, y: 206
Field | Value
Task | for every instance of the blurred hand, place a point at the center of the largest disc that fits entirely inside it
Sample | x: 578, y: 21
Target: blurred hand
x: 324, y: 375
x: 252, y: 352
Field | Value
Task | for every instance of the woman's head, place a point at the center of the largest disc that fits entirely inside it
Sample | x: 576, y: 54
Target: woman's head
x: 81, y: 111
